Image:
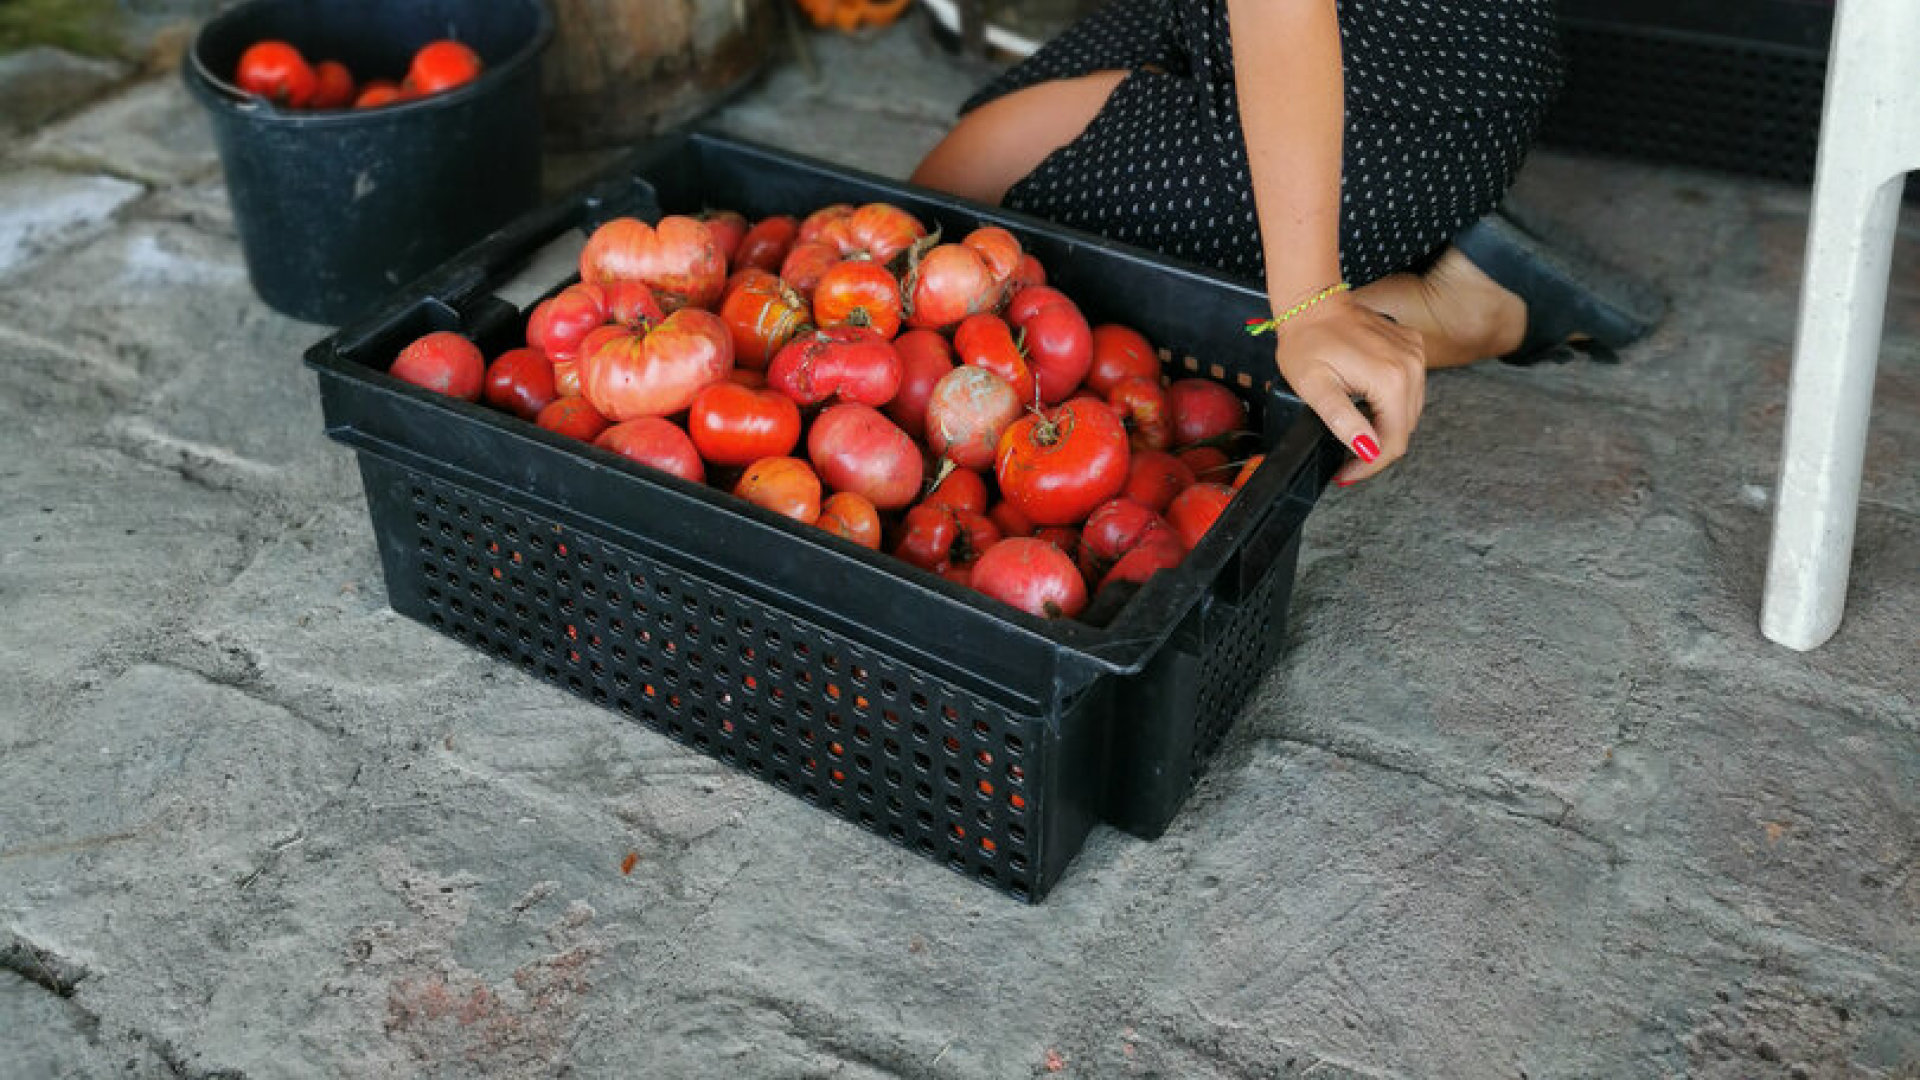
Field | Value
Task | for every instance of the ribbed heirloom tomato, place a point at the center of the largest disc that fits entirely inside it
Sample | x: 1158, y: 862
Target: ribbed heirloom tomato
x: 657, y: 372
x: 762, y: 314
x: 1056, y: 468
x: 858, y: 293
x: 679, y: 259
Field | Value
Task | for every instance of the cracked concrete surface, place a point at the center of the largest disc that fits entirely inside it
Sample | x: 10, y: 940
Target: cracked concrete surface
x: 1528, y: 796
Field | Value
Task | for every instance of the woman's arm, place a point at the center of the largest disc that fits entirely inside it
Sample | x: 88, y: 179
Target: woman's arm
x: 1288, y: 75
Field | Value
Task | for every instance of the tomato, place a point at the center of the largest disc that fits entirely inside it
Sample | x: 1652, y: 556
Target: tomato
x: 679, y: 258
x: 728, y: 228
x: 559, y: 323
x: 567, y: 372
x: 1056, y: 468
x: 1010, y: 520
x: 938, y: 536
x: 333, y: 86
x: 783, y: 485
x: 806, y: 263
x: 853, y: 363
x: 946, y: 285
x: 762, y: 314
x: 1032, y: 575
x: 1195, y: 510
x: 733, y: 425
x: 276, y: 71
x: 631, y: 304
x: 1247, y: 470
x: 1027, y: 271
x: 1142, y: 405
x: 986, y: 342
x: 766, y: 245
x: 998, y: 249
x: 1116, y: 527
x: 573, y: 417
x: 378, y: 92
x: 925, y: 359
x: 857, y: 449
x: 823, y: 219
x: 442, y: 65
x: 1159, y: 550
x: 851, y: 516
x: 520, y: 381
x: 1056, y: 338
x: 747, y: 377
x: 1155, y: 477
x: 969, y: 410
x: 443, y: 362
x: 1119, y: 352
x: 656, y: 443
x: 1202, y: 410
x: 881, y: 231
x: 1066, y: 538
x: 858, y: 293
x: 961, y: 489
x: 1206, y: 462
x: 657, y: 372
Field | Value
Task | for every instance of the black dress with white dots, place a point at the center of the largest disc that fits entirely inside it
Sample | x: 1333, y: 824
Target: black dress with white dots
x: 1442, y: 100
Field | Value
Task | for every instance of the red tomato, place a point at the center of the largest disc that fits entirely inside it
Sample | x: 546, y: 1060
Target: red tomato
x: 333, y: 86
x: 567, y: 372
x: 378, y: 92
x: 573, y: 417
x: 851, y: 516
x: 985, y: 341
x: 961, y: 489
x: 1057, y: 468
x: 857, y: 449
x: 1247, y: 470
x: 1207, y: 463
x: 783, y: 485
x: 1058, y: 343
x: 948, y: 284
x: 729, y: 228
x: 657, y: 372
x: 631, y: 304
x: 1065, y: 538
x: 442, y: 65
x: 858, y: 293
x: 1027, y: 271
x: 656, y: 443
x: 520, y: 381
x: 733, y: 425
x: 276, y: 71
x: 559, y: 323
x: 938, y: 536
x: 854, y: 363
x: 925, y: 359
x: 766, y: 245
x: 969, y: 410
x: 1142, y: 405
x: 1118, y: 353
x: 826, y: 217
x: 1155, y: 477
x: 1113, y: 529
x: 762, y: 314
x: 1032, y: 575
x: 1160, y: 550
x: 1203, y: 409
x: 999, y: 249
x: 880, y: 231
x: 1010, y: 520
x: 679, y: 259
x: 1195, y: 510
x: 443, y: 362
x: 806, y: 263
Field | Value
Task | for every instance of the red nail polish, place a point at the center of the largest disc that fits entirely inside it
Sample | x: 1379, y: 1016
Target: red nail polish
x: 1364, y: 446
x: 1345, y: 483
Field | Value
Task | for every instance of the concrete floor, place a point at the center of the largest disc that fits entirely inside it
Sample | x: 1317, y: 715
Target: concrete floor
x: 1528, y: 796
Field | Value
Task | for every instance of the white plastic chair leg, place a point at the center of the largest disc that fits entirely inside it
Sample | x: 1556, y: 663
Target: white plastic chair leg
x: 1869, y: 140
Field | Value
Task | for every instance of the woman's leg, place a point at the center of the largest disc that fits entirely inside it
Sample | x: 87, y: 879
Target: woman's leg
x: 1001, y: 141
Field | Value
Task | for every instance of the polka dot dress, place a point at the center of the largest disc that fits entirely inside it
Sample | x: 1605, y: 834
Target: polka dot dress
x: 1443, y: 98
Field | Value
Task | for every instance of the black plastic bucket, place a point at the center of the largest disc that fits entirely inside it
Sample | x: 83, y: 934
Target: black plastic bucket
x: 337, y: 208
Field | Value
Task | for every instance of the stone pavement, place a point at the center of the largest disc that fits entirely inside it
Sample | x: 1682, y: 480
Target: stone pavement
x: 1528, y: 796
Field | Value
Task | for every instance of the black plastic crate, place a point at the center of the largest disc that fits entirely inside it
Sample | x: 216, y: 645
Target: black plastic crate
x: 1734, y: 85
x: 965, y: 730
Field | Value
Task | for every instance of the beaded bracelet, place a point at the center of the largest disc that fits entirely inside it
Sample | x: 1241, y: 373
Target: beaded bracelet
x: 1256, y: 327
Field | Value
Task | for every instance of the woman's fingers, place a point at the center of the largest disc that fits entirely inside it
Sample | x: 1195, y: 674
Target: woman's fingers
x: 1328, y: 395
x: 1359, y: 353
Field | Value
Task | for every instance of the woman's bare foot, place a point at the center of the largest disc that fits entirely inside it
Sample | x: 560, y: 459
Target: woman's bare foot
x: 1463, y: 315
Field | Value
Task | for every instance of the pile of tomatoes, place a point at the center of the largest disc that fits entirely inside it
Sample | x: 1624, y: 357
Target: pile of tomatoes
x: 934, y: 400
x: 278, y: 72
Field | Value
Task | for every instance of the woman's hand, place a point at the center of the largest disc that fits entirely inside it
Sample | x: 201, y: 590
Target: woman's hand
x: 1339, y: 349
